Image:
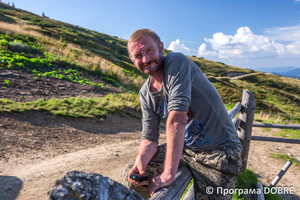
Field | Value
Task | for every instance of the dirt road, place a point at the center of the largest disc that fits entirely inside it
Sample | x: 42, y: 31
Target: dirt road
x: 37, y: 149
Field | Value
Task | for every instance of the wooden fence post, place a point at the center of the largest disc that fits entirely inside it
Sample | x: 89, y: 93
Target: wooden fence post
x: 245, y: 130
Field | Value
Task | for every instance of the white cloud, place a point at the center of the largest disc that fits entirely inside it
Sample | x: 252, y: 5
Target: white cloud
x: 177, y: 46
x: 277, y: 46
x: 290, y: 34
x: 244, y: 44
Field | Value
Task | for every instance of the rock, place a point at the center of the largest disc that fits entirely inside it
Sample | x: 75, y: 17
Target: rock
x: 90, y: 186
x: 6, y: 74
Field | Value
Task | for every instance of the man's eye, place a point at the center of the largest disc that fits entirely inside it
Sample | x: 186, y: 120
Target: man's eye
x: 137, y: 55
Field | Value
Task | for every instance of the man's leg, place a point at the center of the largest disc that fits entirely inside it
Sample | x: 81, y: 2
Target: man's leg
x: 154, y: 168
x: 213, y: 170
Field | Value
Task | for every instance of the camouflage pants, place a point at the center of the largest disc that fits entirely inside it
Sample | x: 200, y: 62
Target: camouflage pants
x: 210, y: 169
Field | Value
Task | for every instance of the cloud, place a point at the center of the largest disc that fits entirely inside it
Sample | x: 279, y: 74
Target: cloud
x: 244, y: 44
x: 289, y: 34
x: 177, y: 46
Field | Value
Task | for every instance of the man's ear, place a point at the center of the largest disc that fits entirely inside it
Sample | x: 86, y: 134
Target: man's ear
x: 161, y: 47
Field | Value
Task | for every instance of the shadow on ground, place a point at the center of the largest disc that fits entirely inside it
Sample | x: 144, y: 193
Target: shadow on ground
x: 10, y: 187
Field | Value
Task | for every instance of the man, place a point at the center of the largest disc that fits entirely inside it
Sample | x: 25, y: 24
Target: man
x: 199, y: 131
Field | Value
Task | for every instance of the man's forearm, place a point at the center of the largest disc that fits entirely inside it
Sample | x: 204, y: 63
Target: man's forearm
x: 175, y: 141
x: 147, y: 149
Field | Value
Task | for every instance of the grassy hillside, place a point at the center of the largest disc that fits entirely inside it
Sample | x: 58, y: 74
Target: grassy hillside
x: 47, y: 48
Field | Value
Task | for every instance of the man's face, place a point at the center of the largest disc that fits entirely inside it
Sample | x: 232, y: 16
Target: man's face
x: 146, y: 55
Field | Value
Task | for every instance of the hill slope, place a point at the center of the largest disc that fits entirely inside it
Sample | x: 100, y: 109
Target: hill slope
x: 42, y: 47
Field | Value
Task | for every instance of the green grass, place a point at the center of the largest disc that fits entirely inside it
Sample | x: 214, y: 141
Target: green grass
x: 77, y: 107
x: 248, y: 180
x: 289, y: 133
x: 286, y: 158
x: 265, y: 130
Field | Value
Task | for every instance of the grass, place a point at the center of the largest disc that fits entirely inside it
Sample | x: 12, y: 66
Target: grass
x: 248, y: 180
x: 265, y: 130
x: 289, y: 133
x: 77, y: 107
x: 286, y: 158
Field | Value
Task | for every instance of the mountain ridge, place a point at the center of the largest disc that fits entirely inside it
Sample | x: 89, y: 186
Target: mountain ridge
x: 289, y: 71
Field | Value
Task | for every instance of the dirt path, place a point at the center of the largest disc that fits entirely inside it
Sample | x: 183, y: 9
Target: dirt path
x: 37, y: 149
x: 267, y: 168
x: 39, y: 176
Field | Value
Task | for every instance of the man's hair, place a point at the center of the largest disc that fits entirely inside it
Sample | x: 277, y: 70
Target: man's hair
x: 139, y: 34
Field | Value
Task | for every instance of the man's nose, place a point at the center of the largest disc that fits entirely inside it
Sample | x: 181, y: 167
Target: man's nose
x: 145, y: 58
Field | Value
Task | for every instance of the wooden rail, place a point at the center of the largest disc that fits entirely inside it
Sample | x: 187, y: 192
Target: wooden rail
x: 284, y: 126
x: 176, y: 190
x: 274, y: 139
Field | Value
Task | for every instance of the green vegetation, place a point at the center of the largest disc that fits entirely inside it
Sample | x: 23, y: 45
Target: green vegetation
x: 289, y: 133
x: 286, y: 158
x: 70, y: 74
x: 248, y: 180
x: 7, y: 82
x: 77, y: 107
x: 266, y: 129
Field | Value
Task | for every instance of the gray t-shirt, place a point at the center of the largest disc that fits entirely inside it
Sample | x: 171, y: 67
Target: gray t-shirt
x: 185, y: 88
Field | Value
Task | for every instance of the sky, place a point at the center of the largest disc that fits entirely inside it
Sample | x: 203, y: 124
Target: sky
x: 251, y: 34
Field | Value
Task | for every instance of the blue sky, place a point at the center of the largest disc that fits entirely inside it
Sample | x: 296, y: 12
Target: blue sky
x: 251, y: 34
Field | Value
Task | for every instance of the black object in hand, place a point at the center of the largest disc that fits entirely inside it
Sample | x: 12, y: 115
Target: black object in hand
x: 138, y: 178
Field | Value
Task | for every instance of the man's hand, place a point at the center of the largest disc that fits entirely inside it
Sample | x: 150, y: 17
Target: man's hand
x: 147, y: 149
x: 160, y: 181
x: 138, y: 169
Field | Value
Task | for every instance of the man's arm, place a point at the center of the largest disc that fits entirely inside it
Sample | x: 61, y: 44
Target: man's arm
x: 176, y: 123
x: 147, y: 149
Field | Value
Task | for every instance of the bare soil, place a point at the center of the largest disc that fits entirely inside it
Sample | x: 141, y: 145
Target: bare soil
x: 36, y: 149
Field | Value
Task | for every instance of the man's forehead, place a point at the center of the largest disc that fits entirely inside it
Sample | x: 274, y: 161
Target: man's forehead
x: 141, y: 43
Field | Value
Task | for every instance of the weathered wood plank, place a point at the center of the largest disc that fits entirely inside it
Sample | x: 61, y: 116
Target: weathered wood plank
x: 273, y: 139
x: 245, y: 130
x: 190, y: 194
x: 284, y: 126
x: 235, y: 110
x: 236, y: 121
x: 175, y: 191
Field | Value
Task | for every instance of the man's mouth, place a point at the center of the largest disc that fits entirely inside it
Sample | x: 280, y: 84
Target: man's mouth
x: 149, y: 63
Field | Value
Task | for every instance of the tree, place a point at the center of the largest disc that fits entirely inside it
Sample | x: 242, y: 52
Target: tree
x: 13, y: 5
x: 43, y: 14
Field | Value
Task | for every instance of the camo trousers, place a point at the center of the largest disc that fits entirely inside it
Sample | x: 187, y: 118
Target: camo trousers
x: 213, y: 171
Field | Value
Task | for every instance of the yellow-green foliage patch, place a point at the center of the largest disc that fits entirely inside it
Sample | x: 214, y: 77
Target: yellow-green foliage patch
x: 77, y: 107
